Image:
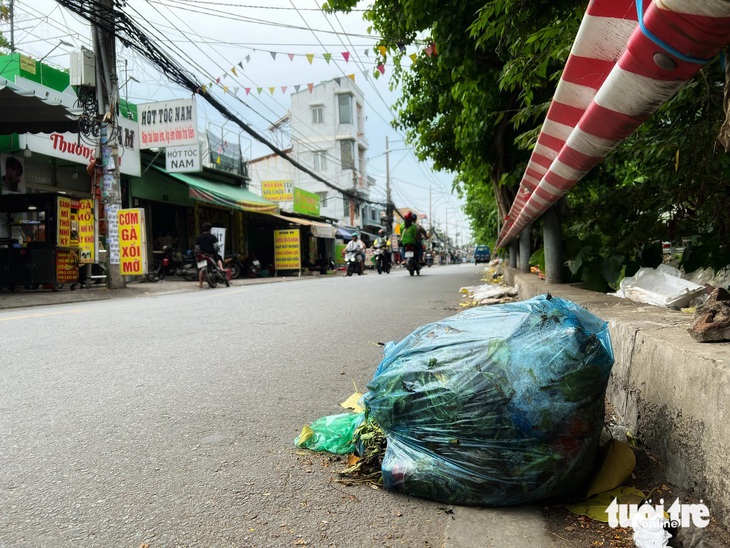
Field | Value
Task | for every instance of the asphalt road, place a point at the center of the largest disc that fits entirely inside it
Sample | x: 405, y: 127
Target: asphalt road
x: 169, y: 420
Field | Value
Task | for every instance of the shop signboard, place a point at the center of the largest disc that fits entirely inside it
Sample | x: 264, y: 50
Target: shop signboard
x: 168, y: 123
x: 277, y: 191
x: 306, y: 203
x: 63, y: 222
x: 74, y: 148
x: 184, y: 159
x: 133, y: 255
x: 87, y: 236
x: 220, y: 233
x: 67, y: 266
x: 287, y: 251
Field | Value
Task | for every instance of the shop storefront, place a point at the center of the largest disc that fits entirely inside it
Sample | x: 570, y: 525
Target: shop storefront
x: 317, y: 242
x: 177, y: 205
x: 43, y: 240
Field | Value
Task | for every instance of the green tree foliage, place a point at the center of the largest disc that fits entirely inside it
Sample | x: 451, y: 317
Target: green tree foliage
x: 475, y: 104
x: 483, y: 72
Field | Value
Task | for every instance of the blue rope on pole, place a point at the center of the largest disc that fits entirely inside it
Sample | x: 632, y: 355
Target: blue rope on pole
x: 662, y: 44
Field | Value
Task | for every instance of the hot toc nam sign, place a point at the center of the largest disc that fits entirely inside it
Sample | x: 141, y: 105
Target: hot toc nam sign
x: 132, y: 245
x: 167, y: 123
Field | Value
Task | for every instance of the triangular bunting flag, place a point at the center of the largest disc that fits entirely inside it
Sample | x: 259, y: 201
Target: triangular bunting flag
x: 259, y: 90
x: 218, y: 160
x: 296, y: 87
x: 327, y: 57
x: 351, y: 77
x: 225, y: 89
x: 283, y: 89
x: 429, y: 50
x: 401, y: 46
x: 311, y: 87
x: 273, y: 55
x: 248, y: 58
x: 413, y: 57
x: 217, y: 80
x: 367, y: 53
x: 271, y: 90
x: 383, y: 50
x: 337, y: 81
x: 236, y: 90
x: 225, y: 76
x: 291, y: 56
x: 381, y: 68
x: 248, y: 90
x: 205, y: 90
x: 240, y: 64
x: 310, y: 57
x: 233, y: 70
x: 346, y: 55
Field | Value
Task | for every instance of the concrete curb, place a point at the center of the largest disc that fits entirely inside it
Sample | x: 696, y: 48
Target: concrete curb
x: 671, y: 391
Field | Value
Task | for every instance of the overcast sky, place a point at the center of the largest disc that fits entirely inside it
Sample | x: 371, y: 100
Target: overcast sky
x: 273, y: 44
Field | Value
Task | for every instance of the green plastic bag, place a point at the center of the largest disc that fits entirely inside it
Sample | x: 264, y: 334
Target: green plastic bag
x: 333, y: 433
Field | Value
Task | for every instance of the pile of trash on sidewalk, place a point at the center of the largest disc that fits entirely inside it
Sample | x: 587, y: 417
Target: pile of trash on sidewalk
x: 495, y: 406
x: 493, y: 292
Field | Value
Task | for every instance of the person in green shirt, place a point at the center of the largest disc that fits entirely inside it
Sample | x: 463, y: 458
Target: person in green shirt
x: 413, y: 233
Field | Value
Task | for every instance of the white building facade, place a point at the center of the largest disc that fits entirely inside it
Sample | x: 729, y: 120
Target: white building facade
x: 327, y: 126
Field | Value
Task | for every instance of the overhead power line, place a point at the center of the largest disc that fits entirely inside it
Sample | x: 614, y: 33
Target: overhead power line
x: 126, y: 30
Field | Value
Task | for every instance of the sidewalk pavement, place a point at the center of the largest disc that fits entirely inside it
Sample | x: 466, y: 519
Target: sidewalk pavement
x: 139, y: 288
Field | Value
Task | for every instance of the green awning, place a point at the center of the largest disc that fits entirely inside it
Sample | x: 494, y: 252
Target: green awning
x: 221, y: 194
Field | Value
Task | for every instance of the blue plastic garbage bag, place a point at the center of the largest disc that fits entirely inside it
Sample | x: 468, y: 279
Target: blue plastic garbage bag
x: 494, y: 406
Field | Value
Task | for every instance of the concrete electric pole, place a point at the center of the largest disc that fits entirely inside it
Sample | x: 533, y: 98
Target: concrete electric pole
x: 388, y: 201
x: 107, y: 86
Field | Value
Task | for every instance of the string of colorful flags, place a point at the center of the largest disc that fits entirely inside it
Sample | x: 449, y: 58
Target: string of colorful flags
x: 429, y: 50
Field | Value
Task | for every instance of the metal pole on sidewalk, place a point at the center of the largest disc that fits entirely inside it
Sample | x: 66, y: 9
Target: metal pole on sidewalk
x: 108, y: 84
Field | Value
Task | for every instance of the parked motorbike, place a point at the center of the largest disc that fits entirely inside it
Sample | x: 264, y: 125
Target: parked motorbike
x: 382, y: 264
x: 411, y: 263
x: 173, y: 263
x: 212, y: 274
x: 352, y: 263
x: 251, y: 267
x: 234, y: 263
x: 429, y: 259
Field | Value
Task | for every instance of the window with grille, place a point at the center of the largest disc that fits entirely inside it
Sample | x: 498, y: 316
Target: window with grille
x: 347, y: 154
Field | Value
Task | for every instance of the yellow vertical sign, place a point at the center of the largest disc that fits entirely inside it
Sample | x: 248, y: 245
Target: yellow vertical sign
x: 63, y: 222
x: 133, y: 260
x: 87, y: 237
x: 287, y: 251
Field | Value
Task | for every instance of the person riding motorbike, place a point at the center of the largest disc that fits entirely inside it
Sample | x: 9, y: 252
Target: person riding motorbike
x: 384, y: 242
x: 413, y: 233
x: 357, y: 246
x: 206, y: 243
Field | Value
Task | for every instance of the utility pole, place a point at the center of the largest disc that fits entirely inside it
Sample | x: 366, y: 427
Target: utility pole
x: 12, y: 27
x: 430, y: 220
x: 388, y: 202
x: 107, y: 86
x: 446, y: 237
